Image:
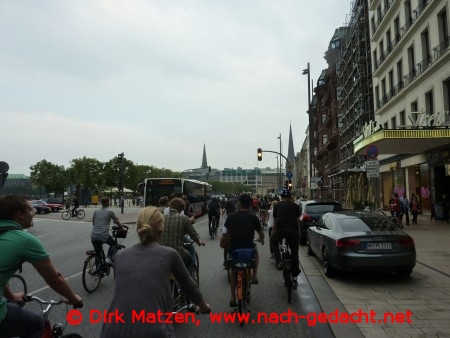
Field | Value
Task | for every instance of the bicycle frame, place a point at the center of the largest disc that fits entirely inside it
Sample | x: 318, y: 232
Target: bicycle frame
x: 243, y: 262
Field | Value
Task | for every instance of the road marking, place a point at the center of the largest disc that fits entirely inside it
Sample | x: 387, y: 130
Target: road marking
x: 48, y: 287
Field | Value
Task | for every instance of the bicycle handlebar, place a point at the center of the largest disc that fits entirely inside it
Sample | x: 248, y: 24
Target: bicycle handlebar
x: 190, y: 308
x: 50, y: 302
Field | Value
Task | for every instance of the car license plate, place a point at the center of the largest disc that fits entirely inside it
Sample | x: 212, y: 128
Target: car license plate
x: 377, y: 246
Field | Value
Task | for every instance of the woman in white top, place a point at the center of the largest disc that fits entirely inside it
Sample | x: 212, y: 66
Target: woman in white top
x: 270, y: 223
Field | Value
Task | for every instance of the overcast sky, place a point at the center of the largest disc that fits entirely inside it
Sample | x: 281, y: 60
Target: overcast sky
x: 158, y: 79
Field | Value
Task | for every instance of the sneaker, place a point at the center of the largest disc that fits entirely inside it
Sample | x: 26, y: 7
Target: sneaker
x: 108, y: 261
x: 280, y: 266
x: 294, y: 283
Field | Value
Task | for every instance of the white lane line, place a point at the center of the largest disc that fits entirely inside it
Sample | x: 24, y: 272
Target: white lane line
x: 48, y: 287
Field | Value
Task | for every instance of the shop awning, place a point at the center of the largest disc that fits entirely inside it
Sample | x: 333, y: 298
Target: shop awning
x: 407, y: 141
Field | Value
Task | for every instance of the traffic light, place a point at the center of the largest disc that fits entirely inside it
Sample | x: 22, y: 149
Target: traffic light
x: 290, y: 184
x: 4, y: 176
x: 259, y: 154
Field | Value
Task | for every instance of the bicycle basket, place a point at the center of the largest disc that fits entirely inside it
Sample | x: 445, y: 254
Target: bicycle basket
x: 243, y: 256
x: 121, y: 233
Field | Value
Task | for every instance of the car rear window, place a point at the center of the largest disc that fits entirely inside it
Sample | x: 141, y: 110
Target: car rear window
x: 367, y: 224
x: 320, y: 208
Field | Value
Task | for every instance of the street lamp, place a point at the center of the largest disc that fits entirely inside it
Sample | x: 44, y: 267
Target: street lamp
x: 281, y: 166
x: 310, y: 122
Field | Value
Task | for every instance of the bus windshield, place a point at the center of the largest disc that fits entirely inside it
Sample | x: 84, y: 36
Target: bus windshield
x: 197, y: 192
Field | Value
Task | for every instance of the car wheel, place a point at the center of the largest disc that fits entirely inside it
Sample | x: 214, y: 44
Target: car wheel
x: 55, y: 210
x: 327, y: 268
x: 42, y: 212
x: 404, y: 272
x: 310, y: 252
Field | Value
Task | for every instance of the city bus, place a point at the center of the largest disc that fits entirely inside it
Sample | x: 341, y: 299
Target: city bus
x: 197, y: 192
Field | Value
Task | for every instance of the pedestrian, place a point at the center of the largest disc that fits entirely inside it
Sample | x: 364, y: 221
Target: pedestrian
x: 396, y: 209
x: 405, y: 208
x: 414, y: 206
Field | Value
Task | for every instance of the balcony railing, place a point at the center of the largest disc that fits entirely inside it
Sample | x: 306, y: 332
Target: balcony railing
x: 441, y: 48
x: 424, y: 64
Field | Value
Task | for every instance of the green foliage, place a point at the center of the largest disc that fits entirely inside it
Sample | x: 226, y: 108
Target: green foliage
x: 90, y: 173
x: 49, y: 176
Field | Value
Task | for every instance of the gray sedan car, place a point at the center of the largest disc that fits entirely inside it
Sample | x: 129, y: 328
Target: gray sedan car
x: 361, y: 241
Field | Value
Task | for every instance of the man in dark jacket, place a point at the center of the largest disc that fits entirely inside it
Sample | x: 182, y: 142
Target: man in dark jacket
x: 286, y: 215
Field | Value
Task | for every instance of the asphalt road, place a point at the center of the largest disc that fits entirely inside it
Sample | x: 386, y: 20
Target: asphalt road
x: 67, y: 242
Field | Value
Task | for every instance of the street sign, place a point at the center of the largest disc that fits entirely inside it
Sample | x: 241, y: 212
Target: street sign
x: 373, y: 168
x: 372, y: 151
x: 289, y: 175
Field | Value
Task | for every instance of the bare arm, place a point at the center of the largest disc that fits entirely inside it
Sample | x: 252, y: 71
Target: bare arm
x: 56, y: 281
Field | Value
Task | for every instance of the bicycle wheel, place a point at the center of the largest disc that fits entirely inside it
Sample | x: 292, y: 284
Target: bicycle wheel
x: 288, y: 282
x: 92, y: 275
x: 66, y: 215
x: 17, y: 284
x: 211, y: 233
x: 80, y: 214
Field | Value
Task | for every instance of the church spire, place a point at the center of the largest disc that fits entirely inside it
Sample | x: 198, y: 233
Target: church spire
x: 204, y: 161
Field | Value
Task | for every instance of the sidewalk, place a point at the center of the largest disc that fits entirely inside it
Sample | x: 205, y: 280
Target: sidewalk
x: 426, y: 293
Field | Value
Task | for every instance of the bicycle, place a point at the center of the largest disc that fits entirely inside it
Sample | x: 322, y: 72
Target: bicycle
x: 55, y: 331
x: 78, y: 213
x: 213, y: 225
x: 242, y: 261
x: 179, y: 298
x: 286, y: 259
x: 95, y: 267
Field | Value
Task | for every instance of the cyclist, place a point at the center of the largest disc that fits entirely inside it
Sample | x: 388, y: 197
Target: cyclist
x: 142, y: 282
x: 75, y: 205
x: 100, y: 230
x: 176, y: 226
x: 286, y: 214
x: 240, y: 228
x: 18, y: 246
x: 255, y: 204
x: 213, y: 210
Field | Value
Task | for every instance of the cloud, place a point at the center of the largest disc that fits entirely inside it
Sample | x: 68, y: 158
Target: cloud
x: 158, y: 79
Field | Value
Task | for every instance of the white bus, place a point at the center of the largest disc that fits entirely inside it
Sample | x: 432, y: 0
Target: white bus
x: 196, y: 191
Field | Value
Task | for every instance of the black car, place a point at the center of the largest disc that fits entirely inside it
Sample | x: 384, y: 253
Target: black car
x: 310, y: 212
x: 41, y: 209
x: 361, y: 241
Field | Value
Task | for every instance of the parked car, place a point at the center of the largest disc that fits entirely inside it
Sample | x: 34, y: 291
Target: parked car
x: 361, y: 241
x: 311, y: 210
x: 41, y: 209
x: 55, y: 207
x: 53, y: 200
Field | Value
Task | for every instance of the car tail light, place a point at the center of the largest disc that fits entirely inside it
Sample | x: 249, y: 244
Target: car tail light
x: 406, y: 241
x: 346, y: 243
x: 306, y: 218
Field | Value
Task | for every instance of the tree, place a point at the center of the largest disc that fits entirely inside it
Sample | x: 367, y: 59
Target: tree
x: 86, y: 173
x: 49, y: 176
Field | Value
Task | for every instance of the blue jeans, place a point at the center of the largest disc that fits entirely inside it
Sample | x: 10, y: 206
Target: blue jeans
x: 98, y: 246
x: 21, y: 322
